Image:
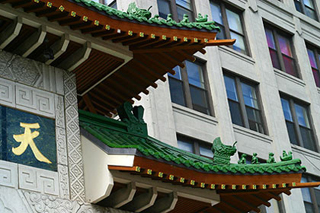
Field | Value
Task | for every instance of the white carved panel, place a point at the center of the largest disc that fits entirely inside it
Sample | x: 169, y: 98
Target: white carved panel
x: 63, y: 182
x: 38, y: 180
x: 7, y: 94
x: 60, y: 122
x: 73, y: 138
x: 33, y: 100
x: 41, y: 203
x: 8, y: 174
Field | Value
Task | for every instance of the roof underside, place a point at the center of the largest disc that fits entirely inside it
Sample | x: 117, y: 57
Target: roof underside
x: 104, y: 81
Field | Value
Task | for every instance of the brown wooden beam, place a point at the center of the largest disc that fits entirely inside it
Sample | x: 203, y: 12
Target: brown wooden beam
x: 114, y: 36
x: 160, y: 65
x: 81, y: 26
x: 97, y: 92
x: 93, y: 29
x: 124, y: 39
x: 147, y: 44
x: 35, y: 8
x: 171, y: 58
x: 142, y: 78
x: 220, y: 42
x: 131, y: 83
x: 245, y: 202
x: 71, y: 21
x: 258, y: 199
x: 22, y: 4
x: 59, y: 17
x: 88, y: 102
x: 143, y: 66
x: 49, y: 12
x: 135, y: 41
x: 272, y: 195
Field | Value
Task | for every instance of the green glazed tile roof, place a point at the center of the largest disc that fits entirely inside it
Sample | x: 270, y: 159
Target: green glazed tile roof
x: 114, y: 134
x: 154, y: 20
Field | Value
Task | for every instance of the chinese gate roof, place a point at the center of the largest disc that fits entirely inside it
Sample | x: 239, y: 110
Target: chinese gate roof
x: 242, y: 187
x: 115, y: 55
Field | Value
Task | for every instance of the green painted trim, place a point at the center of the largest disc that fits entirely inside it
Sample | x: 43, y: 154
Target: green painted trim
x: 115, y: 134
x: 200, y: 24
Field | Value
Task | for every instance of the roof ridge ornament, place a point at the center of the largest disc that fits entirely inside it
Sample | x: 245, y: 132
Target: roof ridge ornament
x: 133, y: 117
x: 137, y: 12
x: 222, y: 152
x: 285, y: 156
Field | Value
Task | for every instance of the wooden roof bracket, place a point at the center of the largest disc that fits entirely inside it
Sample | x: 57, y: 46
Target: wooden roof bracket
x: 59, y: 48
x: 33, y: 42
x: 10, y: 33
x: 165, y: 204
x: 121, y: 197
x: 143, y: 201
x: 77, y: 58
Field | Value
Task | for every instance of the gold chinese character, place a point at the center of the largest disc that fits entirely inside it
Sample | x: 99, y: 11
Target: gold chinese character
x: 27, y: 139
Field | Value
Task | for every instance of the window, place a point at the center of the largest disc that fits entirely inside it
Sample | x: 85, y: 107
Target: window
x: 188, y: 87
x: 311, y: 196
x: 230, y: 22
x: 298, y: 124
x: 195, y: 146
x: 280, y: 50
x: 306, y: 7
x: 177, y: 8
x: 314, y: 58
x: 244, y: 104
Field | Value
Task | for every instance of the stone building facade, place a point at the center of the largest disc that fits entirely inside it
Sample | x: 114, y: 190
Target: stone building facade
x: 50, y: 92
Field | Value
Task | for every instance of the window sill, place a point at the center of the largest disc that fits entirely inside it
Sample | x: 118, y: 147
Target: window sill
x: 289, y: 77
x: 279, y: 5
x: 251, y: 133
x: 194, y: 114
x: 303, y: 151
x: 307, y: 20
x: 236, y: 54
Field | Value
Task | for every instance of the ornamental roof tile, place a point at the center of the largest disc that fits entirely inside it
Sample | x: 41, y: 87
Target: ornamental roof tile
x: 201, y: 23
x: 115, y: 134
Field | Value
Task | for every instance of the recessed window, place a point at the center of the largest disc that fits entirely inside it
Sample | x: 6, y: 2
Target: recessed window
x: 243, y: 103
x: 188, y: 87
x: 177, y: 8
x: 231, y: 24
x: 298, y: 123
x: 314, y: 58
x: 195, y: 146
x: 281, y: 51
x: 311, y: 196
x: 306, y: 7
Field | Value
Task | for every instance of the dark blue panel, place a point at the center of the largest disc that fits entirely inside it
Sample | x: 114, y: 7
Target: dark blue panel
x: 43, y: 139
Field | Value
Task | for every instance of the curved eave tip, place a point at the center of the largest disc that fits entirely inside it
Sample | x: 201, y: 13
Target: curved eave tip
x: 220, y: 42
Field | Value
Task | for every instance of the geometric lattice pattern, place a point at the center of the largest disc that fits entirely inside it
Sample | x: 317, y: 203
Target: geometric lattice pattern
x: 73, y: 138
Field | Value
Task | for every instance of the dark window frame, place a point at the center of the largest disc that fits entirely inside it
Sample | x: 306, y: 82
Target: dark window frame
x: 315, y: 203
x: 276, y: 32
x: 303, y: 8
x: 292, y: 101
x: 226, y: 27
x: 174, y: 10
x: 186, y: 86
x: 238, y: 80
x: 196, y: 144
x: 316, y: 52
